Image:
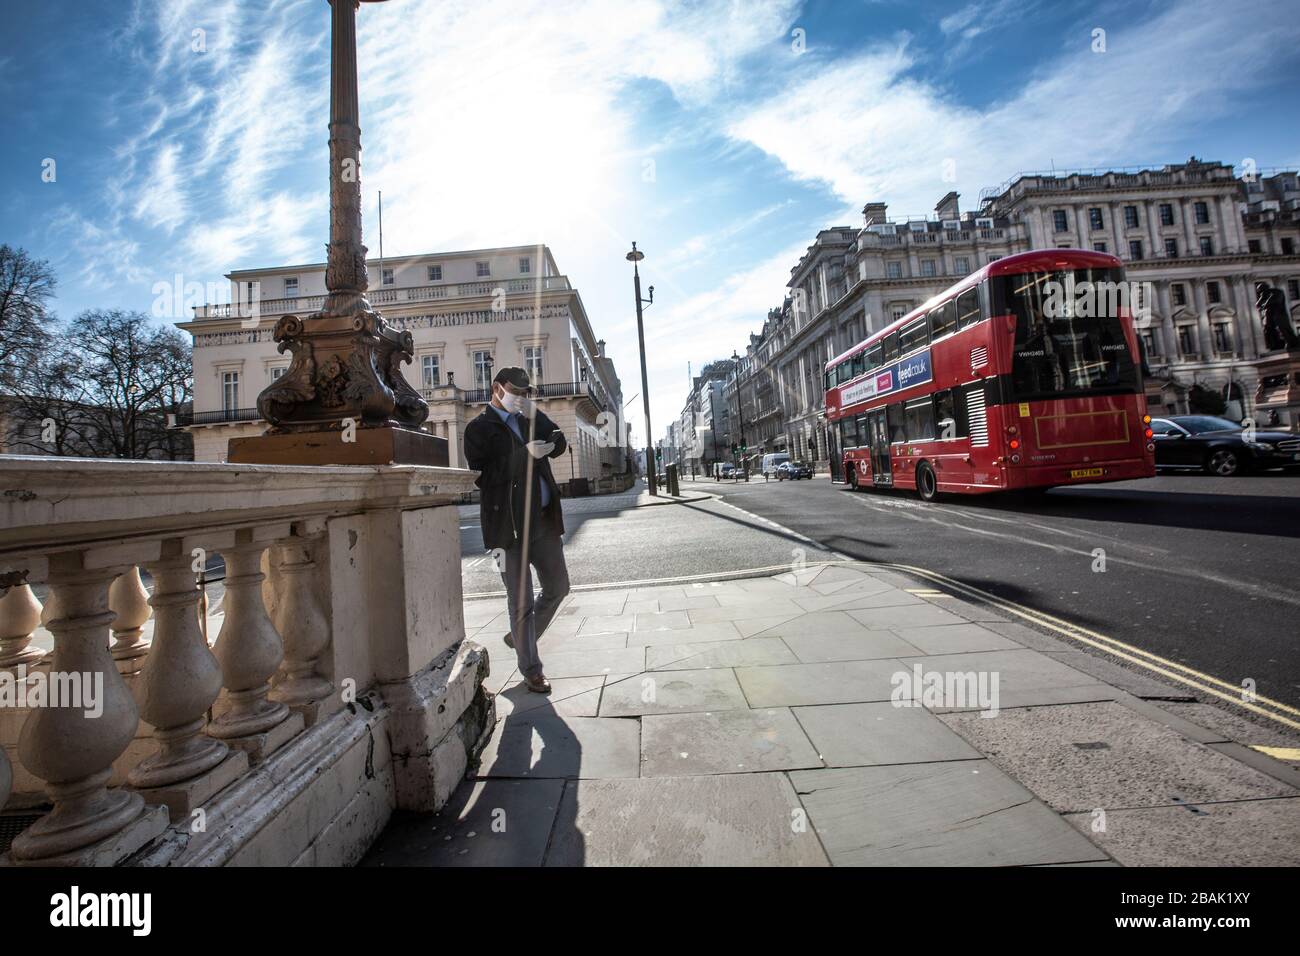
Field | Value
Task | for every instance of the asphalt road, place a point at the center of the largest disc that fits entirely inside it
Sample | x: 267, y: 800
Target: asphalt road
x: 1201, y: 570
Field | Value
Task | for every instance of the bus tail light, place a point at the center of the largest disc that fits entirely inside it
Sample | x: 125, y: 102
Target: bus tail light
x: 1146, y: 419
x: 1013, y: 430
x: 1149, y: 434
x: 1151, y: 446
x: 1015, y: 443
x: 1015, y: 459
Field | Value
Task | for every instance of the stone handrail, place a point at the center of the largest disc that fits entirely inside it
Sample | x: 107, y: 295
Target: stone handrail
x: 338, y: 686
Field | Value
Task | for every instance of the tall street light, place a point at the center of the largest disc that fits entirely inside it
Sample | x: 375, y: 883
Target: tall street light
x: 740, y: 411
x: 634, y: 257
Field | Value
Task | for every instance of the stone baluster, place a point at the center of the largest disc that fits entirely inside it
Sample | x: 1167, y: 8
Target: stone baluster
x: 249, y: 650
x: 128, y: 599
x: 20, y: 613
x: 301, y: 621
x: 72, y: 746
x: 180, y: 680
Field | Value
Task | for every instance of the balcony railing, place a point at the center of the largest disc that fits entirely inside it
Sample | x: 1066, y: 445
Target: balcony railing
x: 334, y: 685
x: 218, y: 417
x: 306, y: 304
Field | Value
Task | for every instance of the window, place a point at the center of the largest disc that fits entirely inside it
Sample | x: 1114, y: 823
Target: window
x: 1179, y: 293
x: 1148, y: 342
x: 994, y: 258
x: 482, y: 369
x: 229, y: 391
x: 896, y: 312
x: 1171, y: 248
x: 1166, y: 214
x: 968, y: 308
x: 896, y: 419
x: 848, y: 433
x: 914, y: 335
x: 947, y: 424
x: 919, y: 417
x: 525, y: 265
x: 1212, y: 291
x: 435, y: 273
x: 1202, y: 213
x: 963, y: 265
x: 1253, y: 245
x: 1095, y: 220
x: 857, y: 365
x: 1207, y: 246
x: 1288, y: 246
x: 291, y: 287
x: 533, y: 362
x: 943, y: 319
x: 891, y: 348
x: 1099, y: 247
x: 388, y: 277
x: 1186, y: 344
x: 482, y: 269
x: 1135, y: 249
x: 1222, y: 338
x: 1130, y: 217
x: 875, y: 357
x: 927, y: 267
x: 277, y: 371
x: 430, y: 373
x: 1293, y: 289
x: 1059, y: 220
x: 894, y: 270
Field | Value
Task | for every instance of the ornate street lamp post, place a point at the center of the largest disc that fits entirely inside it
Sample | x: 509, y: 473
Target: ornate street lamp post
x: 343, y: 399
x: 634, y: 257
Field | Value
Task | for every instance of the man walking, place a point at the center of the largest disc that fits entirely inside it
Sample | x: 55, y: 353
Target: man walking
x: 510, y: 444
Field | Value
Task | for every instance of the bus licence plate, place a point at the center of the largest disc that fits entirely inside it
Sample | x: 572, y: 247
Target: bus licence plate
x: 1087, y: 472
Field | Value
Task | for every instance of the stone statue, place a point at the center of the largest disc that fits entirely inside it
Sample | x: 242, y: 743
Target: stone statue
x: 1278, y: 331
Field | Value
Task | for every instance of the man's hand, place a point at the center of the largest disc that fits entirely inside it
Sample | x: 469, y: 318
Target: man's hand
x: 540, y: 449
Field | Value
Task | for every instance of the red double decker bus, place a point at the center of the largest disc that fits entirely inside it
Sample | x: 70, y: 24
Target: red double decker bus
x: 1023, y: 375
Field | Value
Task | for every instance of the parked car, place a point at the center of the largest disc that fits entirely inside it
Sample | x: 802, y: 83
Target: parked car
x: 724, y: 470
x: 794, y: 470
x: 772, y: 461
x: 1219, y: 446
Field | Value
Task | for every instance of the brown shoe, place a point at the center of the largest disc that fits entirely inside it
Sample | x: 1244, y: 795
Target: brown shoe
x: 538, y: 684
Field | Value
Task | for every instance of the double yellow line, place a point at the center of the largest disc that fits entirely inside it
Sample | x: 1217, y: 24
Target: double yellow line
x: 1171, y: 670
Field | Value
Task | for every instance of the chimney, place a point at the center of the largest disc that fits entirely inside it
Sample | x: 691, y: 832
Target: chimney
x: 947, y: 207
x: 873, y: 212
x: 600, y: 347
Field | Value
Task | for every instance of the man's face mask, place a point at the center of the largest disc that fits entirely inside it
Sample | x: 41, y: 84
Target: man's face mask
x: 515, y: 404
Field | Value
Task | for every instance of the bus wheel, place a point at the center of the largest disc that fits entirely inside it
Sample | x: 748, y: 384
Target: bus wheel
x: 927, y: 486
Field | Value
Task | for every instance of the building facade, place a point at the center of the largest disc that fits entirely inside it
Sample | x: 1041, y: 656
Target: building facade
x: 469, y: 314
x: 1203, y: 238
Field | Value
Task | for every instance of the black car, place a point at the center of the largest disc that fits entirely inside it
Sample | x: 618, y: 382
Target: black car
x: 1219, y: 446
x: 794, y: 470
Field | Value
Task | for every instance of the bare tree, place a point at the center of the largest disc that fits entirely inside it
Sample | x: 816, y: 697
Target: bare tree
x: 26, y: 285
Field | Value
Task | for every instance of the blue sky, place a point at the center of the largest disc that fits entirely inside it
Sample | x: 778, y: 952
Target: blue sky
x: 721, y: 136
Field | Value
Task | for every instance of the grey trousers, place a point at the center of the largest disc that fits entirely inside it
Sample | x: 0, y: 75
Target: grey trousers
x: 529, y: 615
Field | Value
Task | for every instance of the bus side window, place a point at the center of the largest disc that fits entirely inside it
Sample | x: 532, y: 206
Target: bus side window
x: 864, y: 434
x: 914, y: 336
x: 858, y: 361
x: 897, y: 423
x: 968, y: 308
x: 874, y: 356
x: 891, y: 348
x: 920, y: 419
x: 943, y: 319
x: 946, y: 423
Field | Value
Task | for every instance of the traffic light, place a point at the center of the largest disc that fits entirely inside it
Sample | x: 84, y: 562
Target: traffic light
x: 734, y: 447
x: 659, y: 454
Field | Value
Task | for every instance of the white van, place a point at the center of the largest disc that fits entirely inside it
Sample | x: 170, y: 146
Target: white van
x: 772, y: 462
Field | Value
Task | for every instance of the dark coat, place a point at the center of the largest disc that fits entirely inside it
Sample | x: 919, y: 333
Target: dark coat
x: 504, y: 468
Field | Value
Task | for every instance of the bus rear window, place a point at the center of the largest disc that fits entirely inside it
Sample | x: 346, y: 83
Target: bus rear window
x: 1061, y: 346
x: 968, y: 308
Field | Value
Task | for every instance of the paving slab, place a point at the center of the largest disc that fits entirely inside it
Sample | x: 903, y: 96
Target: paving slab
x: 672, y: 692
x: 892, y: 597
x: 907, y: 615
x: 966, y: 813
x: 728, y: 741
x: 825, y: 639
x: 485, y: 823
x: 700, y: 633
x: 759, y: 605
x: 661, y: 621
x: 710, y: 654
x: 552, y: 642
x: 724, y: 820
x: 564, y: 747
x: 955, y: 639
x: 749, y: 627
x: 1249, y: 833
x: 1081, y: 757
x: 688, y: 602
x: 605, y: 623
x: 569, y: 697
x: 1023, y: 678
x: 571, y: 661
x: 842, y: 682
x: 859, y: 735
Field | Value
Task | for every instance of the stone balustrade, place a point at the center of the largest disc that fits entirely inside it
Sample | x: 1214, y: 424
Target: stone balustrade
x: 337, y: 687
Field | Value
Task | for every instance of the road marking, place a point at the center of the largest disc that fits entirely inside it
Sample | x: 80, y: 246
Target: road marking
x: 1135, y: 655
x: 1281, y: 753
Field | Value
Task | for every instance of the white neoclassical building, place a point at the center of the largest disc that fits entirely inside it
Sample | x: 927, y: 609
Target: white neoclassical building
x: 469, y: 313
